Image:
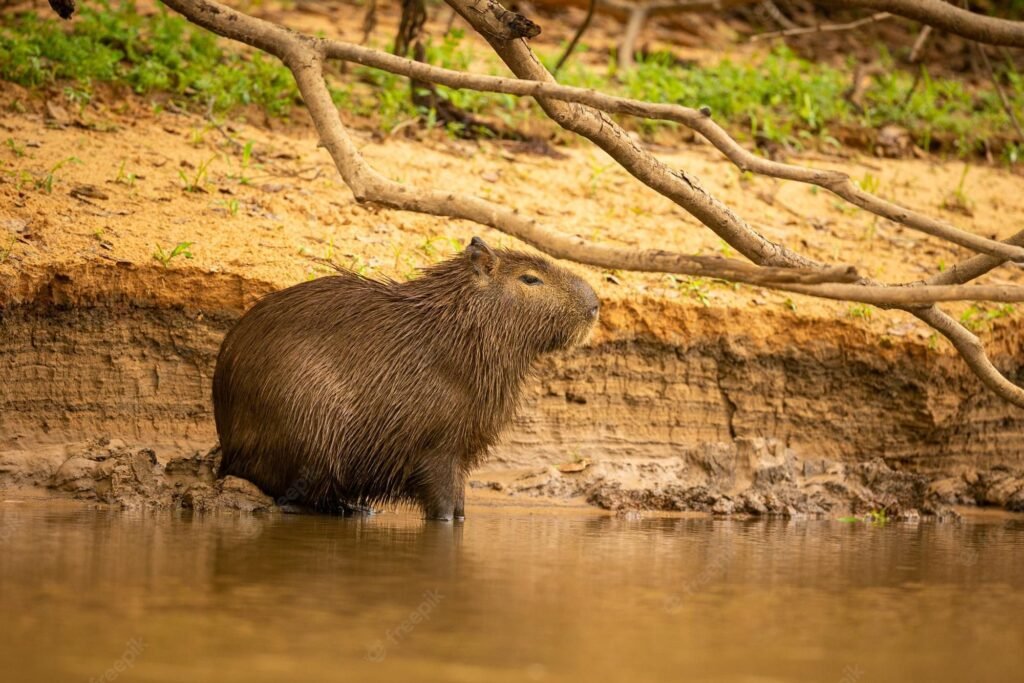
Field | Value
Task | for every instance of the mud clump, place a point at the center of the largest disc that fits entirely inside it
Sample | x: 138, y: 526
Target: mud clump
x: 112, y: 473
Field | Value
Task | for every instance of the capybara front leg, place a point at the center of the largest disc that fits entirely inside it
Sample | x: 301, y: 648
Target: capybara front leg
x: 460, y: 502
x: 443, y: 496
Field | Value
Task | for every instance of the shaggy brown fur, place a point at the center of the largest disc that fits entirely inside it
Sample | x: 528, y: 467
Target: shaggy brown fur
x: 344, y: 391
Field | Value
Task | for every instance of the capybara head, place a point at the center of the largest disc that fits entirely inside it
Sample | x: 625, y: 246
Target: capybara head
x: 517, y: 299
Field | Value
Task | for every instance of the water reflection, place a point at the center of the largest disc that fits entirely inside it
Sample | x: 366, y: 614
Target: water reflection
x: 513, y: 594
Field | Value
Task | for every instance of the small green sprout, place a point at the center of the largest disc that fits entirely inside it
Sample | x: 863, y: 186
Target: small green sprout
x: 180, y: 249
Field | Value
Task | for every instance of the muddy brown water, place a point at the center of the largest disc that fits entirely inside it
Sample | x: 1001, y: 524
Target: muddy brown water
x: 513, y: 594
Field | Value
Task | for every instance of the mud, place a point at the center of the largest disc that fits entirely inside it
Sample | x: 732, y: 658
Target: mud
x: 759, y: 477
x: 108, y: 471
x: 752, y: 478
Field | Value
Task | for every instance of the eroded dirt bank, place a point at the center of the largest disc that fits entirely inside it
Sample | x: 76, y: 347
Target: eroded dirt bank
x: 107, y: 374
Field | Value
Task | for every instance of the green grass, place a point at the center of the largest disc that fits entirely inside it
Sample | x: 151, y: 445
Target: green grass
x: 978, y: 317
x: 781, y: 98
x: 877, y: 518
x: 789, y: 100
x: 111, y: 42
x: 859, y: 311
x: 195, y: 181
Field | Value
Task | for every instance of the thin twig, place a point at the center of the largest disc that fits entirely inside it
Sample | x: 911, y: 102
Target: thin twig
x: 773, y: 11
x: 576, y: 37
x: 821, y: 28
x: 919, y: 44
x: 1007, y: 105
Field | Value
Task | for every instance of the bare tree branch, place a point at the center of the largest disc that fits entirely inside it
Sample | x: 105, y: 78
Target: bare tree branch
x: 627, y: 46
x: 942, y: 15
x: 665, y: 6
x: 698, y: 120
x: 304, y: 56
x: 607, y: 135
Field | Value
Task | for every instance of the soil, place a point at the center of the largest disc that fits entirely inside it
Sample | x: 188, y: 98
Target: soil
x: 691, y: 395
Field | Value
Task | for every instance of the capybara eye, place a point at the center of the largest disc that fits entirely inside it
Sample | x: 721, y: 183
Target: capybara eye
x: 531, y: 279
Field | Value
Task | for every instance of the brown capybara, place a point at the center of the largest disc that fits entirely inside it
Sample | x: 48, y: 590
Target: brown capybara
x: 344, y: 391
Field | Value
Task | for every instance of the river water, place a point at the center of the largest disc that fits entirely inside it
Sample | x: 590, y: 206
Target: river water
x: 513, y: 594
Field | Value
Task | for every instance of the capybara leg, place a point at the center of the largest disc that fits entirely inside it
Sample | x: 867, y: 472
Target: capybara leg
x: 443, y: 495
x: 460, y: 502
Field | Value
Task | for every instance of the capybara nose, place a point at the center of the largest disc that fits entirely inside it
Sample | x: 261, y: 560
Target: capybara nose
x: 588, y: 297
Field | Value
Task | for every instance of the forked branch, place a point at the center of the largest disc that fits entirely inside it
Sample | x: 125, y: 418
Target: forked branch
x: 579, y: 111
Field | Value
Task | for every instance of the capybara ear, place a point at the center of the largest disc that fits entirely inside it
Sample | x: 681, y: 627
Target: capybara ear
x: 483, y: 259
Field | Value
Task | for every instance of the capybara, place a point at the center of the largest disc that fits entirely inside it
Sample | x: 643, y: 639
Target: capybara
x: 343, y: 392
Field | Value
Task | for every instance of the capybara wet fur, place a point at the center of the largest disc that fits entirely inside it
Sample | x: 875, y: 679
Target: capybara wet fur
x: 344, y: 392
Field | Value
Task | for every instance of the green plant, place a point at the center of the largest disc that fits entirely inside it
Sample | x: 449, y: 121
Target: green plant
x: 870, y: 183
x: 77, y: 96
x: 1012, y: 153
x: 958, y: 200
x: 197, y: 136
x: 6, y: 251
x: 859, y: 311
x: 878, y: 517
x: 431, y: 251
x: 45, y: 182
x: 182, y: 249
x: 230, y: 205
x: 125, y: 177
x: 19, y: 151
x: 778, y: 98
x: 696, y: 288
x: 874, y: 518
x: 976, y: 317
x: 198, y: 179
x: 245, y: 162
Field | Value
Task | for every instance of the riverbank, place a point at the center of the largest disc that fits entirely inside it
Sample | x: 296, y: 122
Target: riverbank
x: 133, y: 237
